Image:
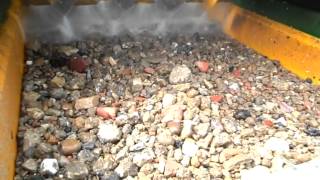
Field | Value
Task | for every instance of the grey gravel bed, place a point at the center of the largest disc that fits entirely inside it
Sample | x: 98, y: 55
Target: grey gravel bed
x: 161, y: 107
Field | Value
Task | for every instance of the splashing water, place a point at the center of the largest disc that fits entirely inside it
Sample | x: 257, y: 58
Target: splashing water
x: 104, y: 19
x: 66, y: 28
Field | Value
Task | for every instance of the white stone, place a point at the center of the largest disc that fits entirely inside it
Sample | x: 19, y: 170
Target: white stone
x: 270, y: 106
x: 277, y: 145
x: 29, y: 63
x: 215, y: 110
x: 185, y: 161
x: 178, y: 155
x: 180, y: 74
x: 126, y: 168
x: 137, y: 85
x: 189, y: 148
x: 161, y: 165
x: 30, y: 165
x: 111, y: 61
x: 281, y: 121
x: 202, y: 129
x: 263, y: 152
x: 165, y: 137
x: 68, y: 50
x: 168, y: 100
x: 277, y: 163
x: 187, y: 128
x: 307, y: 170
x: 234, y: 86
x: 143, y: 157
x: 49, y: 166
x: 260, y: 172
x: 109, y: 133
x: 221, y: 139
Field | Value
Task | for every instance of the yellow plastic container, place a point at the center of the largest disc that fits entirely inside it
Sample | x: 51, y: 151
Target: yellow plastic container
x: 11, y: 72
x: 299, y: 53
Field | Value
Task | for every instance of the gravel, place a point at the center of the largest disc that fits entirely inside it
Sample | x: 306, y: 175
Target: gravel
x: 180, y: 74
x: 109, y: 133
x: 76, y: 170
x: 189, y: 148
x: 159, y: 107
x: 31, y: 165
x: 49, y: 167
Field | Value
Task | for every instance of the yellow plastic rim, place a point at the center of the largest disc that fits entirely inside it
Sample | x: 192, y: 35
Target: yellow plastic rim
x: 297, y: 51
x: 11, y: 72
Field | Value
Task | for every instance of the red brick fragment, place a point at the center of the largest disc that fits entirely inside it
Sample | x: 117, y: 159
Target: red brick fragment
x: 216, y: 98
x: 203, y: 66
x: 78, y: 64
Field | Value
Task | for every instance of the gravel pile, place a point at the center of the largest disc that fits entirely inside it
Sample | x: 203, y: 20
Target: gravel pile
x: 171, y: 107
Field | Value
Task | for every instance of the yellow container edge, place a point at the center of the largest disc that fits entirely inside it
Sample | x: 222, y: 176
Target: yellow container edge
x: 11, y: 72
x: 295, y: 50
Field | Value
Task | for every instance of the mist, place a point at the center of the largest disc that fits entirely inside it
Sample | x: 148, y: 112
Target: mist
x: 46, y: 23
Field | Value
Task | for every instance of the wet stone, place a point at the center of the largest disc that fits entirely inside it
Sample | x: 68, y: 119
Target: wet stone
x: 110, y: 176
x: 237, y: 160
x: 86, y: 103
x: 109, y: 133
x: 85, y: 156
x: 174, y: 127
x: 57, y: 82
x: 58, y: 93
x: 143, y: 157
x: 171, y: 168
x: 30, y: 141
x: 30, y: 165
x: 35, y: 113
x: 77, y: 82
x: 165, y: 138
x: 180, y: 74
x: 311, y: 131
x: 137, y: 85
x: 78, y: 64
x: 107, y: 112
x: 70, y: 146
x: 189, y: 147
x: 126, y: 168
x: 76, y: 170
x: 49, y: 167
x: 221, y: 139
x: 168, y: 100
x: 187, y: 129
x: 173, y: 113
x: 103, y: 164
x: 242, y: 114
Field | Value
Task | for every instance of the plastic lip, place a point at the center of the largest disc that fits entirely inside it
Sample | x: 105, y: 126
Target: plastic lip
x: 11, y: 72
x: 294, y: 49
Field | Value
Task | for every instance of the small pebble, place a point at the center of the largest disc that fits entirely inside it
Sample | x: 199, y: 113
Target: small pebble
x: 78, y: 64
x: 30, y: 165
x: 165, y: 138
x: 203, y: 66
x: 86, y: 103
x: 107, y: 112
x: 109, y: 133
x: 49, y: 166
x: 70, y: 146
x: 311, y: 131
x: 242, y: 114
x: 76, y: 170
x: 277, y: 145
x: 189, y: 147
x: 180, y: 74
